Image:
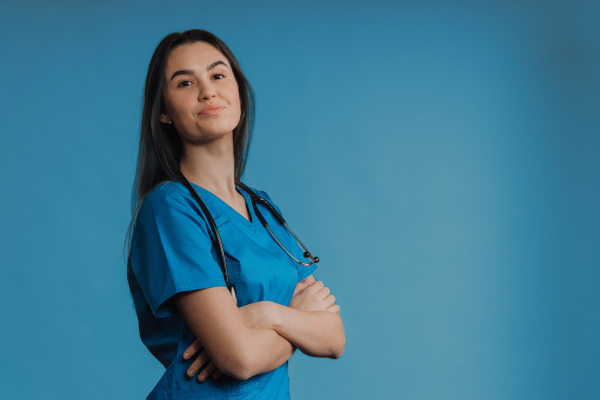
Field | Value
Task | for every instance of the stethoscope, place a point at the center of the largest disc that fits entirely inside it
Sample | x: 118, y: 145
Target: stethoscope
x: 255, y: 199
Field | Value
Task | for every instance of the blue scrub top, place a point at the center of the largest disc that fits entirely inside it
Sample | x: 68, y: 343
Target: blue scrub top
x: 172, y: 252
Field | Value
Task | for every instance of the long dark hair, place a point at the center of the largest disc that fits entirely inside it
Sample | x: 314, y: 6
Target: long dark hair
x: 160, y: 147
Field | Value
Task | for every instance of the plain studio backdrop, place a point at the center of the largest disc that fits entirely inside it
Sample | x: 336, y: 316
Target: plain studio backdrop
x: 442, y: 158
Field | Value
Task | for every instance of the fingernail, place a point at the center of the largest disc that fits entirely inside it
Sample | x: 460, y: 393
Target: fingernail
x: 191, y: 372
x: 201, y: 377
x: 186, y: 355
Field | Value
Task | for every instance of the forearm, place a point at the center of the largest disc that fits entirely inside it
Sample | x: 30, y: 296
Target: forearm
x: 266, y: 350
x: 315, y: 333
x: 236, y: 348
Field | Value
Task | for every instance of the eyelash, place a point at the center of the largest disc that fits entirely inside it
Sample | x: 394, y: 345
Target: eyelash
x: 181, y: 84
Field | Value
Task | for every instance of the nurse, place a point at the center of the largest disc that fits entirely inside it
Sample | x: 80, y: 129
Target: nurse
x: 196, y: 125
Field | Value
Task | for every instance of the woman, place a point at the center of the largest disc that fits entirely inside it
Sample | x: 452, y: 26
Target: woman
x: 196, y: 129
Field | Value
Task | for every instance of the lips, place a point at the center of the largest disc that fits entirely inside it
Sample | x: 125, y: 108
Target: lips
x: 211, y: 110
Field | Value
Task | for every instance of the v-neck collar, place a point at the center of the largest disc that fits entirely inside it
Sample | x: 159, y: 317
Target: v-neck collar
x: 216, y: 201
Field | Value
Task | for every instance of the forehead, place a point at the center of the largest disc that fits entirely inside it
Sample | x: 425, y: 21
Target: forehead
x: 195, y: 56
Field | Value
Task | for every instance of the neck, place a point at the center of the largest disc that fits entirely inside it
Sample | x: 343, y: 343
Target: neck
x: 210, y: 165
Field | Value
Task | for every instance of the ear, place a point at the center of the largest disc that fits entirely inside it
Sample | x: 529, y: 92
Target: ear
x: 164, y: 118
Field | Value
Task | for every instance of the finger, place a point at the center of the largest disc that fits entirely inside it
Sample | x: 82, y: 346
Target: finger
x: 316, y: 286
x: 208, y: 370
x: 329, y: 301
x: 324, y: 292
x: 297, y: 290
x: 193, y: 349
x: 303, y: 284
x: 217, y: 374
x: 197, y: 364
x: 334, y: 309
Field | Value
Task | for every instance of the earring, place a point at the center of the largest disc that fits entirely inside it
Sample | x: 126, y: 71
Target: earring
x: 170, y: 123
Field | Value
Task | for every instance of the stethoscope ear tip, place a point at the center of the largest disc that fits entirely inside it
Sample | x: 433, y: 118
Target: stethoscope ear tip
x: 310, y: 257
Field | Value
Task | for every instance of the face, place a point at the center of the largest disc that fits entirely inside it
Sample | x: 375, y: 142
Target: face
x: 200, y: 93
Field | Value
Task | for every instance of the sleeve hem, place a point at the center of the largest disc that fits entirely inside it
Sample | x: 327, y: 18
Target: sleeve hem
x: 159, y: 309
x: 305, y: 272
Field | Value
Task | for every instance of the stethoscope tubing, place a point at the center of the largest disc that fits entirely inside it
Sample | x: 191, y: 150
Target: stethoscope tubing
x: 254, y: 199
x: 215, y: 230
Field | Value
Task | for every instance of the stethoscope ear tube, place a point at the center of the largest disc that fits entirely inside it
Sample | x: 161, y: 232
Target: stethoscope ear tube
x: 255, y: 198
x: 217, y: 237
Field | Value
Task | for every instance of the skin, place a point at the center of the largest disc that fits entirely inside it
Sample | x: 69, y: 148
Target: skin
x: 310, y: 295
x: 201, y: 100
x: 207, y: 139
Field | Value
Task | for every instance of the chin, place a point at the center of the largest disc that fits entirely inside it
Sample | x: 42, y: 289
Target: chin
x: 208, y: 136
x: 218, y: 130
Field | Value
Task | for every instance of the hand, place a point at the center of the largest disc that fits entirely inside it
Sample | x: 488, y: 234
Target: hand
x: 313, y: 296
x: 200, y: 360
x: 334, y: 308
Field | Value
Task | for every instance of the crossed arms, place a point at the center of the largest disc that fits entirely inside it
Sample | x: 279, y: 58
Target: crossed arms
x: 260, y: 337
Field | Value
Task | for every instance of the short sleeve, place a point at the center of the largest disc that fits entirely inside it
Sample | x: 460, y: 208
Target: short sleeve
x: 292, y: 244
x: 171, y: 249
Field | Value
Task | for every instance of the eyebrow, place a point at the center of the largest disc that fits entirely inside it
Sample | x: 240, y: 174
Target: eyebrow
x: 191, y: 72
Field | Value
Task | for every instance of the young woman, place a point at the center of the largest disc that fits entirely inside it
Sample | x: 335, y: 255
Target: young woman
x: 196, y: 129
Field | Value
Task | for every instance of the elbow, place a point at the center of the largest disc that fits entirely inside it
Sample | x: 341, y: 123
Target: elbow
x: 338, y: 353
x: 340, y: 343
x: 236, y: 368
x: 241, y: 374
x: 243, y: 359
x: 338, y: 350
x: 239, y: 367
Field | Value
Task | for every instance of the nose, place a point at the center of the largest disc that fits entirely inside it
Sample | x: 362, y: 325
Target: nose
x: 207, y: 91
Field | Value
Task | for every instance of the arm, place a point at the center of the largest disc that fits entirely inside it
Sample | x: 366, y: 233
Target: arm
x: 318, y: 333
x: 315, y: 333
x: 235, y: 349
x: 252, y: 317
x: 312, y: 321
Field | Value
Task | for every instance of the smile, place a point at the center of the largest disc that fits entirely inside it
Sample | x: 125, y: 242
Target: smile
x: 211, y: 110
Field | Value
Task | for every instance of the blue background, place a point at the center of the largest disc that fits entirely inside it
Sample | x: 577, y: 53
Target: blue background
x: 442, y: 158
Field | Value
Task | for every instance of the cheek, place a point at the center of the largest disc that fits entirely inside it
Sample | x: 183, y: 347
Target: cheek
x: 173, y: 106
x: 239, y: 111
x: 237, y: 105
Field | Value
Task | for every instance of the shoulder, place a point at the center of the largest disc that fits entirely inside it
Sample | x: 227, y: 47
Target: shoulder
x: 166, y: 194
x: 261, y: 193
x: 265, y: 195
x: 170, y: 200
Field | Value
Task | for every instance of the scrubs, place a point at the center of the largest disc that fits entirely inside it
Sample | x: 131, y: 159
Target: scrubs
x: 172, y: 252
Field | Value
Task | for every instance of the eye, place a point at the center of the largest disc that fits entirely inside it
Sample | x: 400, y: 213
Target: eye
x: 184, y: 83
x: 218, y: 76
